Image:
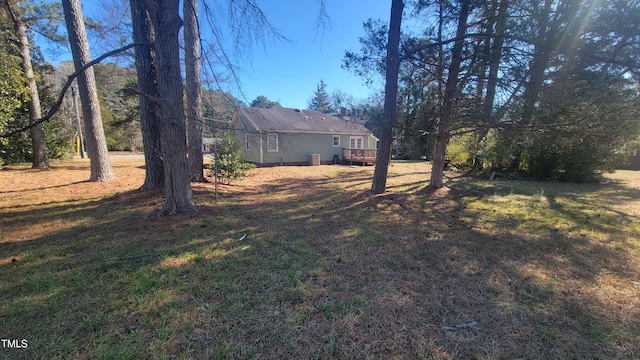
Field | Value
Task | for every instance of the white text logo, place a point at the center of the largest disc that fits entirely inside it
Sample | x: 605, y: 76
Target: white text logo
x: 14, y: 344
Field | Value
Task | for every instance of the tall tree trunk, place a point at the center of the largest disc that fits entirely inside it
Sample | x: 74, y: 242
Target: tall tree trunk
x: 439, y: 155
x: 379, y: 183
x: 194, y: 86
x: 448, y: 101
x: 494, y: 56
x: 542, y: 53
x: 149, y: 117
x: 441, y: 63
x: 178, y: 195
x: 40, y: 160
x: 95, y: 139
x: 543, y: 46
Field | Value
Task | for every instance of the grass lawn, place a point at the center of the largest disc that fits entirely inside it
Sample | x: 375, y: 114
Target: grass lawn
x: 304, y: 263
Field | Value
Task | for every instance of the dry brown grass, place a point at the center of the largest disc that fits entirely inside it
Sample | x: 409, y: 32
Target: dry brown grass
x: 324, y: 269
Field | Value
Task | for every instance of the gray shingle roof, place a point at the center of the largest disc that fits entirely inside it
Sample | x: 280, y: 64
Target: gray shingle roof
x: 300, y: 121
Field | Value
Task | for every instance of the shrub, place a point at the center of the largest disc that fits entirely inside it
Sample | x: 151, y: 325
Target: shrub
x: 230, y: 165
x: 460, y: 151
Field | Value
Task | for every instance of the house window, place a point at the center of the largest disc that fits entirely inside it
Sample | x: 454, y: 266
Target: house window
x: 246, y: 142
x: 355, y: 142
x: 272, y: 142
x: 336, y: 140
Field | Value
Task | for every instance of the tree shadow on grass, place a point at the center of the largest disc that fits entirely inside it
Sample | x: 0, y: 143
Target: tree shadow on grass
x: 420, y: 261
x: 533, y: 293
x: 317, y: 267
x: 59, y: 288
x: 42, y: 188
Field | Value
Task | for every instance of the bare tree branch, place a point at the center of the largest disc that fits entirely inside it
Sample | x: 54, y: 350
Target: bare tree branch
x: 323, y: 21
x: 248, y: 26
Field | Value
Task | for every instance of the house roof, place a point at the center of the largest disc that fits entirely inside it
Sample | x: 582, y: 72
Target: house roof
x: 300, y: 121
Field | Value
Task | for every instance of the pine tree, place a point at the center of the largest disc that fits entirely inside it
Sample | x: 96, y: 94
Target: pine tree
x: 40, y: 160
x: 320, y: 100
x: 96, y: 141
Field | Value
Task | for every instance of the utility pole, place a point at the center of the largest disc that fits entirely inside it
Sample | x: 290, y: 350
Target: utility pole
x: 78, y: 126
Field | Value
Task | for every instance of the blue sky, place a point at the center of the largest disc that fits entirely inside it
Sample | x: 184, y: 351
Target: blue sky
x: 287, y: 72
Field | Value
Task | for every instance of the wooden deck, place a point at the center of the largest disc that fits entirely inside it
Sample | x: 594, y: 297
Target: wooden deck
x: 362, y: 156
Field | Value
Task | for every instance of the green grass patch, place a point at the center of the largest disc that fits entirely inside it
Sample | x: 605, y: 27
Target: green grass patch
x: 306, y: 263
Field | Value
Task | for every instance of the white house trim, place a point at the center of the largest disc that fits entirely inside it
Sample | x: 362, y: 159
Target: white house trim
x: 272, y: 142
x: 356, y: 142
x: 261, y: 150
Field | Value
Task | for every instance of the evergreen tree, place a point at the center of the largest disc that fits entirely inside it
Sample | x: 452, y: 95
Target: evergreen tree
x: 454, y: 82
x: 15, y: 93
x: 383, y: 156
x: 39, y: 154
x: 263, y: 102
x: 96, y: 142
x: 320, y: 100
x: 118, y: 106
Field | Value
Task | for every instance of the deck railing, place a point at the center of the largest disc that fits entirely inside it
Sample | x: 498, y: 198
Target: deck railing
x: 359, y: 155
